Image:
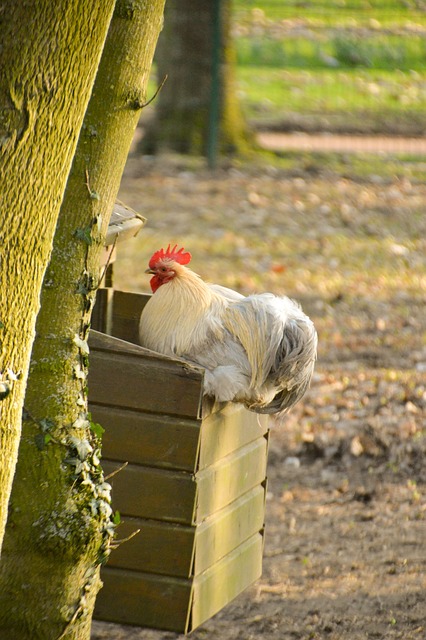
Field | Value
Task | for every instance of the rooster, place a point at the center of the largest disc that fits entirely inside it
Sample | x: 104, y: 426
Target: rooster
x: 258, y: 350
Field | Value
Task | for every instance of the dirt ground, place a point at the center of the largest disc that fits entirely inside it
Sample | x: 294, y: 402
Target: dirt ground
x: 346, y: 512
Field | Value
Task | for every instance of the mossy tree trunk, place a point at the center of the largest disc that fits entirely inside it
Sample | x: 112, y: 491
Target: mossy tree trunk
x: 59, y: 527
x: 183, y: 110
x: 48, y: 60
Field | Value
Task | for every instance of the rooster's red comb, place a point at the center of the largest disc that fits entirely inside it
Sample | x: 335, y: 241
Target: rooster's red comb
x: 181, y: 256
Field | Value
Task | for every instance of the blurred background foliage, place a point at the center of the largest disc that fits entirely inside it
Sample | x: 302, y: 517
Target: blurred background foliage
x: 353, y: 65
x: 336, y: 66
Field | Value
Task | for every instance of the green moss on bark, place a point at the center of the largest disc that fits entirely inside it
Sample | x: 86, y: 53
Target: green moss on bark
x: 60, y: 524
x: 39, y: 131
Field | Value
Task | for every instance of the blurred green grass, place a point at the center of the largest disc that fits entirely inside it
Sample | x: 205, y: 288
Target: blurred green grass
x: 345, y: 234
x: 356, y: 67
x: 344, y: 49
x: 336, y: 11
x: 369, y: 167
x: 352, y: 100
x: 366, y: 60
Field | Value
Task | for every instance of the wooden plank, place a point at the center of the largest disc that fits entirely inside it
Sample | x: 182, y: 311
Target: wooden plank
x: 225, y: 580
x: 160, y: 547
x: 99, y: 341
x: 177, y: 604
x: 142, y: 599
x: 124, y: 375
x: 148, y: 439
x: 168, y: 549
x: 145, y: 492
x: 127, y: 311
x: 102, y: 312
x: 108, y: 257
x: 227, y: 529
x: 229, y: 430
x: 173, y: 496
x: 231, y: 477
x: 124, y: 223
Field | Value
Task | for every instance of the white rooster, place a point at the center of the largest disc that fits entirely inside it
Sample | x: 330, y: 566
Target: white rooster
x: 259, y: 350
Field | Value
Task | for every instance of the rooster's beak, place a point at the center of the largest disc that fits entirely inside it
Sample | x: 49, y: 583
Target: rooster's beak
x: 151, y: 271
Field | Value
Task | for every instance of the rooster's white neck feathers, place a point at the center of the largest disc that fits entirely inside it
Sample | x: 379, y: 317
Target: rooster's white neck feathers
x: 186, y: 298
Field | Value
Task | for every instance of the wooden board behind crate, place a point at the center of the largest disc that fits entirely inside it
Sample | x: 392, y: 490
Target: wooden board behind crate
x: 117, y: 313
x: 194, y: 485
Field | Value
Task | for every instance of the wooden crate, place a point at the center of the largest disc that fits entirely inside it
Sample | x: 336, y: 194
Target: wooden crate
x: 194, y: 485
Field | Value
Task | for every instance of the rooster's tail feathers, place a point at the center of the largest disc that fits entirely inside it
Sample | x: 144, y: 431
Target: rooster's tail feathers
x: 258, y: 330
x: 294, y: 365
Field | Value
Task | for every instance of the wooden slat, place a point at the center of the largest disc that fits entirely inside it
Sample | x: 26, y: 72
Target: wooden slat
x: 127, y: 309
x: 144, y: 492
x: 143, y: 599
x: 125, y: 375
x: 102, y: 342
x: 173, y: 496
x: 228, y: 430
x: 160, y: 547
x: 227, y: 529
x: 148, y: 439
x: 168, y: 549
x: 124, y: 223
x: 230, y: 478
x: 224, y: 581
x: 176, y: 604
x: 102, y: 312
x: 99, y: 341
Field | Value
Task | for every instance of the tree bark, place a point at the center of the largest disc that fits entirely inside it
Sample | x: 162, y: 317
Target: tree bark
x: 60, y: 525
x: 48, y: 61
x: 182, y: 119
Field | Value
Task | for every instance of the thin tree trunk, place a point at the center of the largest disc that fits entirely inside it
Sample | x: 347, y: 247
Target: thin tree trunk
x: 60, y: 525
x: 48, y: 60
x: 182, y: 120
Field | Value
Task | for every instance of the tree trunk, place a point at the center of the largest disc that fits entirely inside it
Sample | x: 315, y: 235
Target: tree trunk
x: 60, y: 525
x: 48, y: 60
x: 183, y: 117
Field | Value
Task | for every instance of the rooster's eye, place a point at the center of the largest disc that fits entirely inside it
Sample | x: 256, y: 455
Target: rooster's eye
x: 163, y: 269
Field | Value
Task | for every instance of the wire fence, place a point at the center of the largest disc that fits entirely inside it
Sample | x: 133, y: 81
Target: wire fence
x: 342, y: 67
